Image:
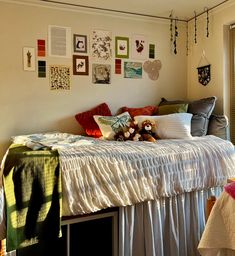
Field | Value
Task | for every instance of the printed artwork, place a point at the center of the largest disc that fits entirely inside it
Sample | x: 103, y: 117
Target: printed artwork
x: 41, y: 68
x: 101, y: 73
x: 59, y: 41
x: 139, y: 47
x: 41, y: 48
x: 60, y: 77
x: 132, y: 69
x: 151, y: 51
x: 101, y: 45
x: 29, y: 58
x: 118, y: 66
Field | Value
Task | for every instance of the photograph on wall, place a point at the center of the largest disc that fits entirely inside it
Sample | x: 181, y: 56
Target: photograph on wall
x: 101, y: 73
x: 59, y: 41
x: 132, y: 70
x: 80, y: 65
x: 139, y: 47
x: 101, y: 45
x: 60, y: 77
x: 121, y: 47
x: 80, y: 43
x: 29, y: 58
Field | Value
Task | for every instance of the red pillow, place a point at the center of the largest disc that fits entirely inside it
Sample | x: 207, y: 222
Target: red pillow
x: 85, y: 119
x: 145, y: 111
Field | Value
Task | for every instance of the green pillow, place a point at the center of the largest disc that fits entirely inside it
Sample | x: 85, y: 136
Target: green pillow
x: 174, y: 108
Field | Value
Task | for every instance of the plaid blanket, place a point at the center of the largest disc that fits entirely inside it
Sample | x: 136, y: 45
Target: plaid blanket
x: 32, y: 183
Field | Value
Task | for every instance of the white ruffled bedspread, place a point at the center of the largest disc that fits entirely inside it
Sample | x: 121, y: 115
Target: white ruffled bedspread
x: 109, y: 173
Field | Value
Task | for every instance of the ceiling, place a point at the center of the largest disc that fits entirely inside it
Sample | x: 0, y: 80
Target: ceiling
x: 182, y: 9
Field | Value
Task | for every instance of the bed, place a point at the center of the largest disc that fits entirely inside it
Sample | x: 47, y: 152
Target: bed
x: 159, y: 188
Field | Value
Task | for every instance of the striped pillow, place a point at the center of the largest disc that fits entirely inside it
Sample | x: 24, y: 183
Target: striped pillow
x: 172, y: 126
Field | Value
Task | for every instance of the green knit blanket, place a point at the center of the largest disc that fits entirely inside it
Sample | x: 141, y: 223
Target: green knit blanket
x: 32, y: 183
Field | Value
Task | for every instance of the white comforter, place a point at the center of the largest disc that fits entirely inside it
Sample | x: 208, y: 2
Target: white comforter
x: 97, y: 174
x: 109, y: 173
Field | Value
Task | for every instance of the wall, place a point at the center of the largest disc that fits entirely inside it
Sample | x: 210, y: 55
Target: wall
x: 216, y: 51
x: 27, y: 105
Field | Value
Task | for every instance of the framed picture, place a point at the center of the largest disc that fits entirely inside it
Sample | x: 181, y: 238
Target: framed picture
x: 80, y: 43
x: 29, y: 58
x: 80, y: 65
x: 122, y: 47
x: 101, y: 73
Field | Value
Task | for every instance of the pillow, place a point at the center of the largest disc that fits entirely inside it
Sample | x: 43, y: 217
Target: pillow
x: 110, y: 125
x: 201, y: 110
x: 174, y: 108
x: 144, y: 111
x: 86, y: 120
x: 218, y: 126
x: 172, y: 126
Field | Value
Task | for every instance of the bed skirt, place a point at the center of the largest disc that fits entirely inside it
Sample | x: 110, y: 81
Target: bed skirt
x: 166, y: 227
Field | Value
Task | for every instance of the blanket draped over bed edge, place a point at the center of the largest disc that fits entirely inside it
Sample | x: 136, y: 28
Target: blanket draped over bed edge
x: 32, y: 184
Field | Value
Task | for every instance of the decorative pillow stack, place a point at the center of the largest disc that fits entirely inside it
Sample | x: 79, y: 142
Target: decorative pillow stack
x: 201, y: 110
x: 86, y: 120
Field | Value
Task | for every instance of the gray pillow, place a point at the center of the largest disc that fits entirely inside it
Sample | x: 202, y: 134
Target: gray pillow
x: 201, y: 110
x: 218, y: 126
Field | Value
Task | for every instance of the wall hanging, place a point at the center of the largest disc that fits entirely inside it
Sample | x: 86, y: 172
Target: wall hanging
x: 152, y: 68
x: 204, y: 71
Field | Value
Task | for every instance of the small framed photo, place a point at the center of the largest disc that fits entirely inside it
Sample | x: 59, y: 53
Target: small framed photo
x: 29, y: 58
x: 80, y: 43
x: 80, y: 65
x: 122, y: 47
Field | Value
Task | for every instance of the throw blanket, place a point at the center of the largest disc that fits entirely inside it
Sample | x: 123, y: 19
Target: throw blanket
x: 32, y: 184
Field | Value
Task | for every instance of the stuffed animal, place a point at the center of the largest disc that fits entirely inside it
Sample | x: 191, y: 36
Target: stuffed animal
x: 148, y: 131
x: 130, y: 132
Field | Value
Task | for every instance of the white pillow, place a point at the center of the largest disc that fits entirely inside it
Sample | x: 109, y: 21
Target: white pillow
x: 110, y: 125
x: 172, y: 126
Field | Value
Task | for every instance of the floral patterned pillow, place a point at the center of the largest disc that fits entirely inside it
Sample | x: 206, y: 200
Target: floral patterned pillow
x: 110, y: 125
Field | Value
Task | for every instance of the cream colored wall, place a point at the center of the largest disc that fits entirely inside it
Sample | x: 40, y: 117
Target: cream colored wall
x: 216, y: 51
x: 26, y: 103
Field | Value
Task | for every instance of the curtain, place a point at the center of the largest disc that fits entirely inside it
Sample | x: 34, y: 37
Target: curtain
x: 232, y: 85
x: 166, y: 227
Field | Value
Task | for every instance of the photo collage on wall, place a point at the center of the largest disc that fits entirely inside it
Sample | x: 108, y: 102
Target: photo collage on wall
x: 131, y: 56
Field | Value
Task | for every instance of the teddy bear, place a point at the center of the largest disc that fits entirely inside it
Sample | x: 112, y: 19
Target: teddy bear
x: 148, y: 131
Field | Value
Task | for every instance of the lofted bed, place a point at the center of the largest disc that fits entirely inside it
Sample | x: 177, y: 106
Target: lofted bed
x: 153, y: 194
